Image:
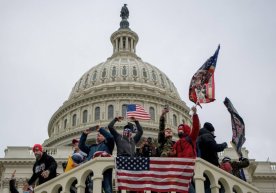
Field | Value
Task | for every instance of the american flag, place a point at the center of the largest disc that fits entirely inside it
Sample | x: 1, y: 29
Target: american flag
x: 238, y: 127
x: 154, y: 173
x: 202, y: 86
x: 137, y: 111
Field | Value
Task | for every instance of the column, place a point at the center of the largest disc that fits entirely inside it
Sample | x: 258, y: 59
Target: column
x: 121, y: 43
x: 80, y: 188
x: 127, y: 48
x: 199, y: 184
x: 97, y: 183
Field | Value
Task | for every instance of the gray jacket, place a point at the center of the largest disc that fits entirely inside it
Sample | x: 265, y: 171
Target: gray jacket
x: 125, y: 146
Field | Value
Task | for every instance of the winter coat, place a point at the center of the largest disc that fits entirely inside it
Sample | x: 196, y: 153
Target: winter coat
x: 186, y: 146
x: 208, y: 146
x: 165, y: 147
x: 125, y: 146
x: 107, y: 145
x: 46, y: 162
x: 13, y: 187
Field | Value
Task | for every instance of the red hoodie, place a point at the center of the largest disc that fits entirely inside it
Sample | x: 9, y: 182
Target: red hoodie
x: 182, y: 148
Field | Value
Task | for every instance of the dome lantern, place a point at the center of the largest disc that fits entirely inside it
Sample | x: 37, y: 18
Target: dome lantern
x: 124, y: 40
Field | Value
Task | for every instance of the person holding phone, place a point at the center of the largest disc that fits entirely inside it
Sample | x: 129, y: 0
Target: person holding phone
x: 125, y: 142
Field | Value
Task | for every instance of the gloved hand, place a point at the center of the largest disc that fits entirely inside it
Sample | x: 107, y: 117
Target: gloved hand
x: 241, y: 158
x: 224, y: 145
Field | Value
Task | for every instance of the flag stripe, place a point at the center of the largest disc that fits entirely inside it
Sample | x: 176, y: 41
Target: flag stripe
x: 169, y: 174
x: 154, y: 174
x: 137, y: 111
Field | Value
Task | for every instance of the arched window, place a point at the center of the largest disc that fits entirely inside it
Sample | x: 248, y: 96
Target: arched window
x: 65, y: 124
x: 153, y: 76
x: 174, y: 120
x: 145, y: 75
x: 97, y: 113
x: 94, y: 76
x: 110, y: 112
x: 124, y: 71
x: 74, y: 120
x: 134, y: 71
x: 152, y: 113
x: 114, y: 71
x: 84, y: 116
x: 104, y: 73
x: 124, y: 110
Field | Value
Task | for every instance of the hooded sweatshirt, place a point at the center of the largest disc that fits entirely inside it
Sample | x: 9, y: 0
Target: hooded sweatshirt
x: 184, y: 147
x: 46, y: 162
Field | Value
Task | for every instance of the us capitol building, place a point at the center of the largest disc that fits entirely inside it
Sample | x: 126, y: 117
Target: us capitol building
x: 102, y: 93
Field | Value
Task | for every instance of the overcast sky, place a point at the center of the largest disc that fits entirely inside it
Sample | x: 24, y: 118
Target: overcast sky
x: 46, y: 46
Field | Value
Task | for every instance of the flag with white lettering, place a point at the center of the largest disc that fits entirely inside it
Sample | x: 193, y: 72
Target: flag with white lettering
x: 238, y: 127
x: 154, y: 173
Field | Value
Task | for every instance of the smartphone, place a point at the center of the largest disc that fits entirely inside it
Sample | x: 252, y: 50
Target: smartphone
x: 94, y: 128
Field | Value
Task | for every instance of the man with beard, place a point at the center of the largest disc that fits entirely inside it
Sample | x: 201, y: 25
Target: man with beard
x: 45, y: 167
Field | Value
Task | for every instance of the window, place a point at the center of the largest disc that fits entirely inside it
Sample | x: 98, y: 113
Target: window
x: 104, y: 73
x: 74, y: 120
x: 84, y: 116
x: 152, y: 113
x: 134, y: 71
x: 65, y: 124
x: 110, y: 112
x: 114, y: 71
x: 124, y: 110
x: 174, y: 120
x: 145, y: 75
x: 94, y: 76
x: 153, y: 76
x: 124, y: 71
x: 97, y: 113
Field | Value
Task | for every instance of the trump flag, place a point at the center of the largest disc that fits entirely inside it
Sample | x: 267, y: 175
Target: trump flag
x: 154, y: 173
x: 238, y: 127
x: 202, y: 86
x: 137, y: 111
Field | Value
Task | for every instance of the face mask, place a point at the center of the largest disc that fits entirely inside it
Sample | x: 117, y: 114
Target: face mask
x: 37, y: 156
x: 180, y: 135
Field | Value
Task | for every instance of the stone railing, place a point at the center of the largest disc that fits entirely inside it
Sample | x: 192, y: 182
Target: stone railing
x: 62, y: 183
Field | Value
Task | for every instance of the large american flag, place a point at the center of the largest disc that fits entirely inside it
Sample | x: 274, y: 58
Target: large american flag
x: 202, y: 86
x: 155, y: 173
x: 137, y: 111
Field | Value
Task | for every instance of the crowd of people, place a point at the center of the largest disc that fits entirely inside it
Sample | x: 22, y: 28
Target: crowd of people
x: 192, y: 142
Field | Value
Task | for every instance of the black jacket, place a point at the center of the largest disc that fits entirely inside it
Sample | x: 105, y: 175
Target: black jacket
x: 208, y: 146
x: 13, y: 187
x: 46, y: 162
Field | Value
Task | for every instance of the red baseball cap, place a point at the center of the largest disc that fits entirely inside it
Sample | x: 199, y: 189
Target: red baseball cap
x: 37, y: 147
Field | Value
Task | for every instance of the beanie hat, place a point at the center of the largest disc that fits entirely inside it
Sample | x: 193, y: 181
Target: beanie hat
x: 184, y: 128
x: 209, y: 126
x: 37, y: 146
x: 74, y: 141
x: 129, y: 126
x: 226, y: 159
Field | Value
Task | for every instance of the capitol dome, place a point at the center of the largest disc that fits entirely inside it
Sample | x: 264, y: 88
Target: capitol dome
x: 104, y: 91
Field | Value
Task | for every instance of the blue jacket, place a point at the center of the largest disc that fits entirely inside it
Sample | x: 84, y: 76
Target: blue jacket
x: 107, y: 145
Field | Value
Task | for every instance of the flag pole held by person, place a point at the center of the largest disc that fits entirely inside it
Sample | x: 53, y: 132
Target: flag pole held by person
x: 202, y: 86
